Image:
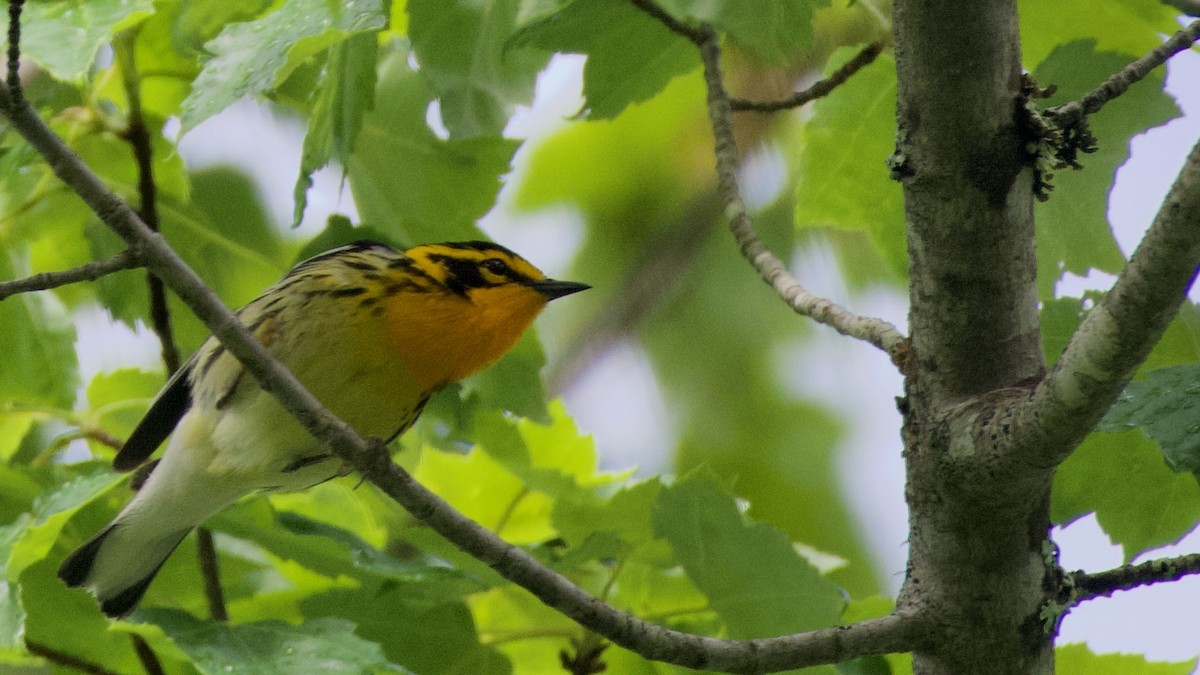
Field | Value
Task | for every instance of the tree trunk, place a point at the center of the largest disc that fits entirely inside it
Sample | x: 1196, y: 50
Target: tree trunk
x: 979, y: 518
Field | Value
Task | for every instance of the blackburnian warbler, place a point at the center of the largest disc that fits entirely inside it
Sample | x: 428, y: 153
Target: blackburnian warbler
x: 371, y: 331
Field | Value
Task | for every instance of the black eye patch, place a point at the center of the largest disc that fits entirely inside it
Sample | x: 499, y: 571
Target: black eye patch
x: 460, y: 274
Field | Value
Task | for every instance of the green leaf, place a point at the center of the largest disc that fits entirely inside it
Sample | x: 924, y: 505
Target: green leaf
x: 1073, y: 233
x: 462, y: 47
x: 1077, y: 659
x: 514, y: 383
x: 64, y: 36
x: 69, y: 619
x: 437, y: 640
x: 1166, y: 406
x: 642, y: 150
x: 172, y: 42
x: 775, y: 29
x: 1180, y: 343
x: 631, y: 57
x: 38, y: 344
x: 1131, y: 28
x: 267, y: 647
x: 338, y: 232
x: 21, y: 486
x: 346, y: 92
x: 486, y: 491
x: 50, y: 514
x: 625, y: 514
x: 118, y: 400
x: 332, y: 551
x: 253, y: 57
x: 409, y: 183
x: 197, y: 21
x: 1139, y: 502
x: 12, y: 617
x: 227, y: 238
x: 841, y: 175
x: 751, y: 574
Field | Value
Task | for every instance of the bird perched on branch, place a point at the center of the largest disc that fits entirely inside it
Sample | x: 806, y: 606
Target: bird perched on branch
x: 371, y: 331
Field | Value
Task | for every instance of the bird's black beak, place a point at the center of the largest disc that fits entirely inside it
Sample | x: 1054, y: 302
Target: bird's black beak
x: 556, y: 289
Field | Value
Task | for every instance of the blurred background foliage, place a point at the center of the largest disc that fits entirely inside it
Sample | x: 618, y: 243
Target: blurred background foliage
x: 419, y: 110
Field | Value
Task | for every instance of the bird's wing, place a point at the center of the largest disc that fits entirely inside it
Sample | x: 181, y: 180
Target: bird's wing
x: 160, y: 420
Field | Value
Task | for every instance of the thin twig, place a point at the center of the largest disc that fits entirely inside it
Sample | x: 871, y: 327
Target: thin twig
x: 146, y: 655
x: 89, y: 272
x: 210, y: 571
x: 898, y: 632
x: 1069, y: 114
x: 139, y: 139
x: 14, y: 49
x: 65, y: 659
x: 1189, y: 7
x: 818, y: 90
x: 676, y: 26
x: 1103, y: 584
x: 874, y: 331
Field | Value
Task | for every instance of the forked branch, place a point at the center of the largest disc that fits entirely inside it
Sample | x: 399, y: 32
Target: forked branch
x: 1117, y: 335
x: 892, y: 633
x: 875, y: 331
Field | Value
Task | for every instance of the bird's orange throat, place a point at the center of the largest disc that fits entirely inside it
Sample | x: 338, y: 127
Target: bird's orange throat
x: 444, y: 338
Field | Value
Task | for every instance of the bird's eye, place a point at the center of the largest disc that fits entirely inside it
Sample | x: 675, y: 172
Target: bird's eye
x: 495, y: 266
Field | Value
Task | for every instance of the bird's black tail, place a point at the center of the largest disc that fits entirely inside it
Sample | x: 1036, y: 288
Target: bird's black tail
x: 78, y: 569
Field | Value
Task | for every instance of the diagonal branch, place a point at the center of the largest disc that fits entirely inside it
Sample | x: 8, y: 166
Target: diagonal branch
x: 878, y: 332
x: 90, y: 272
x: 892, y: 633
x: 1117, y: 335
x: 816, y: 91
x: 1103, y: 584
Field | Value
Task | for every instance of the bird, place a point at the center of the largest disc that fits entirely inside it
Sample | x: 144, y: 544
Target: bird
x: 370, y: 330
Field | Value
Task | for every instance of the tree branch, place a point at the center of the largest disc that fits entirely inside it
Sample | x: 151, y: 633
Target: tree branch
x: 89, y: 272
x: 817, y: 90
x: 1116, y: 336
x: 874, y: 331
x: 892, y: 633
x: 1071, y: 114
x: 1103, y: 584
